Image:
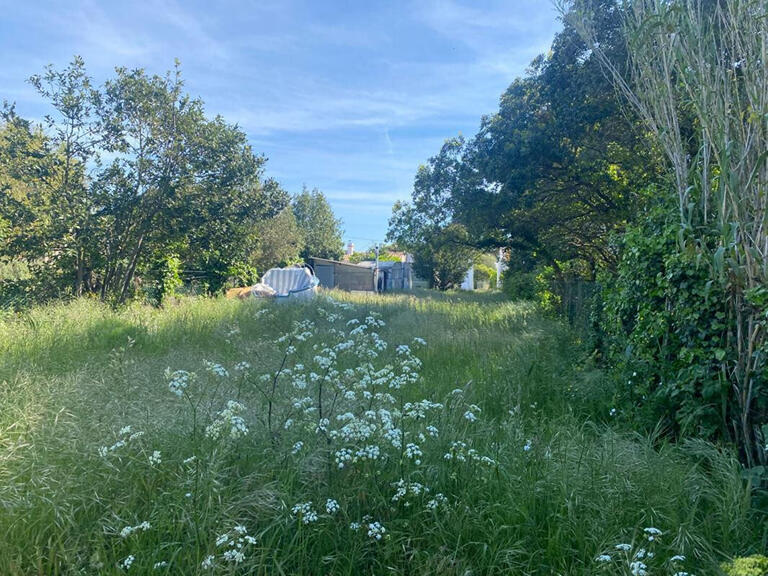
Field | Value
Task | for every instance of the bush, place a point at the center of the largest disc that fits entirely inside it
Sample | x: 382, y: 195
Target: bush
x: 665, y: 327
x: 756, y: 565
x: 485, y: 273
x: 538, y: 285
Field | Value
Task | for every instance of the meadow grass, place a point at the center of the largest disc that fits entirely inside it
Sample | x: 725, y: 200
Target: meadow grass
x: 286, y: 439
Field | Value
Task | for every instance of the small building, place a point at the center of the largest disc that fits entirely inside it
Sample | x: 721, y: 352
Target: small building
x: 363, y: 277
x: 393, y: 276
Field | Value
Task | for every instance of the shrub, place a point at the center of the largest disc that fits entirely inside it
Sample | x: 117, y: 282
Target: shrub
x: 756, y: 565
x: 666, y: 328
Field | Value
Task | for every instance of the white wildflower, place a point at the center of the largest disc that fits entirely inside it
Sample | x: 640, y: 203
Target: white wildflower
x: 435, y: 502
x: 229, y: 420
x: 528, y: 446
x: 207, y: 562
x: 677, y: 558
x: 376, y: 531
x: 155, y: 458
x: 603, y: 558
x: 304, y: 512
x: 413, y: 452
x: 233, y: 555
x: 127, y: 561
x: 178, y: 381
x: 216, y: 369
x: 331, y: 506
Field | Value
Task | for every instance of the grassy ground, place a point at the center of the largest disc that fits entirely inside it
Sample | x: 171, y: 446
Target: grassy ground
x: 487, y: 450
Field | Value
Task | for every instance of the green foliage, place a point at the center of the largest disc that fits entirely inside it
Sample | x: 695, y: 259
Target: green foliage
x: 79, y: 372
x: 667, y: 324
x: 176, y: 181
x: 385, y: 255
x: 279, y: 241
x: 320, y: 228
x: 485, y: 273
x: 756, y: 565
x: 162, y: 279
x: 442, y: 249
x: 702, y: 92
x: 444, y: 259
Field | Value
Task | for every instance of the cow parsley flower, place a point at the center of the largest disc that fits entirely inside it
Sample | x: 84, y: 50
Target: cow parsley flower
x: 233, y: 555
x: 469, y: 415
x: 376, y: 531
x: 677, y: 558
x: 624, y: 547
x: 207, y: 563
x: 178, y: 381
x: 228, y: 420
x: 435, y: 502
x: 413, y: 452
x: 127, y: 561
x: 304, y: 512
x: 216, y: 369
x: 161, y: 564
x: 155, y: 458
x: 331, y: 506
x: 297, y: 447
x: 603, y: 558
x: 651, y: 533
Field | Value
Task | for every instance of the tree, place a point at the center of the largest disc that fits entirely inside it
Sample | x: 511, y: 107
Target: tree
x: 555, y: 172
x: 442, y: 254
x: 320, y: 228
x: 279, y: 241
x: 177, y: 183
x: 697, y: 78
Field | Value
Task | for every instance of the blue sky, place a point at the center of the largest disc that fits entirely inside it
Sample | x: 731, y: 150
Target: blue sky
x: 347, y: 96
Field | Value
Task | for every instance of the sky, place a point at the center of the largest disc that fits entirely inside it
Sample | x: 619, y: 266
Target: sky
x: 346, y: 96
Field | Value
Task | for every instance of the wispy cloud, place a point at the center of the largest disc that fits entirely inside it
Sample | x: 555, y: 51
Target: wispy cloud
x: 347, y: 96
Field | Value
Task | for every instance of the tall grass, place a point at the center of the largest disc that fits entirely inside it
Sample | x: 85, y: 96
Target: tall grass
x: 560, y: 484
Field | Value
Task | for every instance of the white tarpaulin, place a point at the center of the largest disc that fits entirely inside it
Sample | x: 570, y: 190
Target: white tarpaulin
x: 296, y: 283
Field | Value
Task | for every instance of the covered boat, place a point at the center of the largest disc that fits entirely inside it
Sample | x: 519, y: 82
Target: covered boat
x: 297, y: 283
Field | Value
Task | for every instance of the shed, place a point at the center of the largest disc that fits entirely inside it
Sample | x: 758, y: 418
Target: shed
x: 363, y: 277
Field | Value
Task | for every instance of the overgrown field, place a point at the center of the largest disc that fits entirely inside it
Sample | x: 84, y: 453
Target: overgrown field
x: 353, y: 435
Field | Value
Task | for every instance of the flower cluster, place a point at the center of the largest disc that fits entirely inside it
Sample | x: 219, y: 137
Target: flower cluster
x: 228, y: 422
x: 235, y: 543
x: 304, y: 512
x: 128, y: 530
x: 642, y: 559
x: 178, y: 381
x: 125, y: 436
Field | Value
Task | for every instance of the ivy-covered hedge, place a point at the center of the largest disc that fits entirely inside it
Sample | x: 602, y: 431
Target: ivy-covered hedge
x: 665, y: 328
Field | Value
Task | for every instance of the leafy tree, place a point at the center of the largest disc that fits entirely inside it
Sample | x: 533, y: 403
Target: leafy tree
x: 320, y: 228
x: 177, y: 183
x: 555, y: 173
x: 442, y: 254
x: 279, y: 243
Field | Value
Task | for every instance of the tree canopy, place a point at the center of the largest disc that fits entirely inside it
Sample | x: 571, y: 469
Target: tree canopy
x: 128, y: 178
